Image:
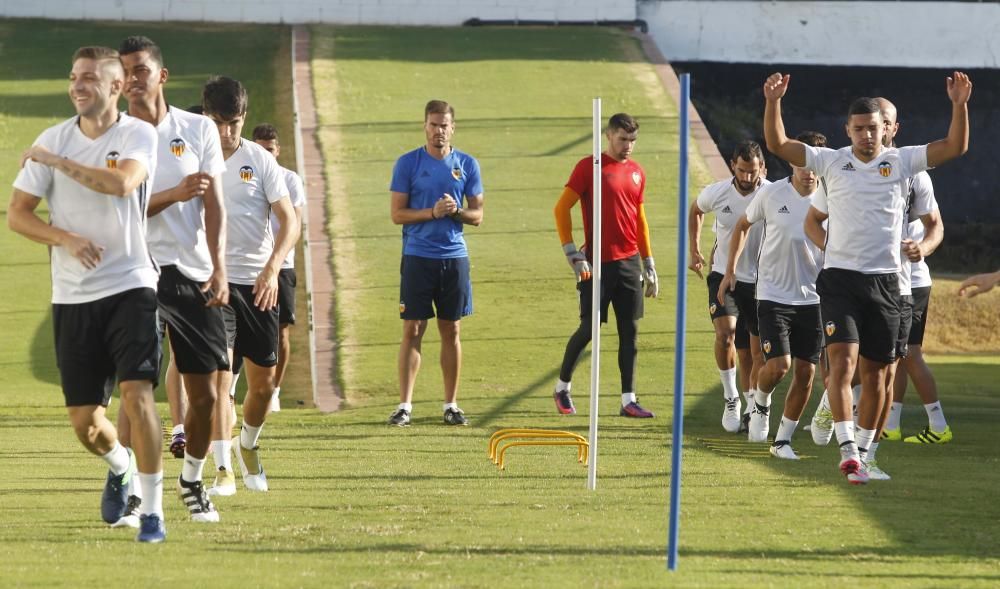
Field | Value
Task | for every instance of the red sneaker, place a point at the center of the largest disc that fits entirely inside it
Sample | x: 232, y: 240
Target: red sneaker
x: 633, y: 409
x: 564, y: 403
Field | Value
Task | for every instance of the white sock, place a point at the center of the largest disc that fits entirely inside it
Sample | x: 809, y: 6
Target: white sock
x: 872, y: 449
x: 452, y: 406
x: 761, y: 398
x: 730, y: 389
x: 222, y: 452
x: 152, y: 493
x: 249, y: 435
x: 935, y: 415
x: 748, y: 396
x: 232, y: 387
x: 192, y: 469
x: 856, y: 393
x: 864, y: 438
x: 628, y: 398
x: 134, y: 488
x: 408, y: 407
x: 895, y: 414
x: 117, y: 459
x: 824, y: 401
x: 562, y: 385
x: 844, y: 431
x: 178, y: 429
x: 277, y: 391
x: 785, y: 430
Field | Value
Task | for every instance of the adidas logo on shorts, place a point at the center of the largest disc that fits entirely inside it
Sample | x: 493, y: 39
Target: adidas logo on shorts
x: 848, y: 167
x: 784, y: 209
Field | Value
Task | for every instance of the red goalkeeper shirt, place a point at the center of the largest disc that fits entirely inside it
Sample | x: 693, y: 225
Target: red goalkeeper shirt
x: 622, y: 187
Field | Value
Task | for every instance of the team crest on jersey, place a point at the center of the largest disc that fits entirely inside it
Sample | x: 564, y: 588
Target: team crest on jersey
x: 177, y: 147
x: 246, y: 173
x: 112, y: 159
x: 456, y: 173
x: 885, y: 168
x: 767, y: 346
x: 636, y: 177
x: 712, y: 308
x: 402, y: 307
x: 831, y: 328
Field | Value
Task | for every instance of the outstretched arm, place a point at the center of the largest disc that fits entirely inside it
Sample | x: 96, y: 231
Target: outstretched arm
x: 978, y: 284
x: 957, y: 141
x: 778, y: 143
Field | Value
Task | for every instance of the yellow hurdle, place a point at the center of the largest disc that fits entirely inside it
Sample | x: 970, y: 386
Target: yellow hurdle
x: 545, y: 438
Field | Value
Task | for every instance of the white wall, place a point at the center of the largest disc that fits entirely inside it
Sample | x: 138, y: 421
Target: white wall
x: 917, y: 34
x: 388, y: 12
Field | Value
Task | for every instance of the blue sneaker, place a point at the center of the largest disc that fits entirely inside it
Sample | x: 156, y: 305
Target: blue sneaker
x: 114, y: 500
x: 151, y: 529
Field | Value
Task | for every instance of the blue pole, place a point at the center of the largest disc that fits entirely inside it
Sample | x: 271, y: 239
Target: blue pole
x: 682, y: 237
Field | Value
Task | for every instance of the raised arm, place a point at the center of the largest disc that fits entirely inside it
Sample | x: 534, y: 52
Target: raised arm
x: 957, y: 141
x: 778, y: 143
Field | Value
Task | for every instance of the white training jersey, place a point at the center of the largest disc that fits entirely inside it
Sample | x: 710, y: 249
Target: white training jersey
x: 189, y: 144
x: 252, y: 182
x: 297, y: 193
x: 728, y: 204
x: 114, y: 223
x: 920, y: 273
x: 918, y: 204
x: 866, y: 204
x: 789, y: 261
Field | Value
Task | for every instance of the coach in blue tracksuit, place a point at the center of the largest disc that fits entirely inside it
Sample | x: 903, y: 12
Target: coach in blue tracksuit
x: 429, y: 186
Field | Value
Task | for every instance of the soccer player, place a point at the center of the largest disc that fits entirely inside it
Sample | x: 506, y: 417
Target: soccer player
x: 624, y: 239
x: 93, y: 171
x: 973, y: 286
x: 787, y: 303
x: 254, y: 187
x: 735, y: 321
x: 859, y: 285
x: 428, y: 189
x: 266, y: 136
x: 186, y: 235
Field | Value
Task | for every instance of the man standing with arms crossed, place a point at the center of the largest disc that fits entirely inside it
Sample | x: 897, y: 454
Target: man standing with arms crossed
x: 93, y: 170
x: 624, y: 239
x: 428, y: 187
x: 187, y: 237
x: 859, y: 283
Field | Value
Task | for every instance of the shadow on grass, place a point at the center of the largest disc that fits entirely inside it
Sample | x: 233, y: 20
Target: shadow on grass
x: 43, y: 355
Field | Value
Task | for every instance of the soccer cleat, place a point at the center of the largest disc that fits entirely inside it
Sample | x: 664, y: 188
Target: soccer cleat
x: 874, y: 472
x: 455, y: 417
x: 225, y: 484
x: 564, y: 403
x: 131, y: 517
x: 850, y: 464
x: 196, y: 500
x: 783, y: 449
x: 821, y: 426
x: 929, y: 436
x: 400, y: 417
x: 731, y: 415
x: 114, y: 499
x: 254, y: 478
x: 759, y: 424
x: 892, y: 435
x: 635, y: 410
x: 151, y: 529
x: 178, y: 444
x: 275, y: 403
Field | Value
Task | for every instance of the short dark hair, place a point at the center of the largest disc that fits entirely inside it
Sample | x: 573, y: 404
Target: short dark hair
x: 439, y: 107
x: 265, y: 132
x: 864, y: 106
x: 137, y: 43
x: 748, y: 149
x: 812, y: 138
x: 196, y: 109
x: 224, y: 96
x: 623, y: 121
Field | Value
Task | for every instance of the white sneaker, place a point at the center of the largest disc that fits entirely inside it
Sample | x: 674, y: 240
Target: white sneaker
x: 760, y: 424
x: 874, y: 472
x: 275, y: 403
x: 250, y: 459
x: 225, y: 484
x: 821, y: 426
x: 731, y: 415
x: 783, y: 450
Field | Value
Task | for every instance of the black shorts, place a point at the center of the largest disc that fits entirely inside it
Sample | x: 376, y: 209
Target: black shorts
x: 621, y: 287
x: 428, y: 284
x: 250, y: 332
x: 860, y: 308
x: 287, y: 281
x: 197, y: 333
x: 905, y: 323
x: 116, y: 338
x: 740, y: 303
x: 921, y: 302
x: 790, y: 330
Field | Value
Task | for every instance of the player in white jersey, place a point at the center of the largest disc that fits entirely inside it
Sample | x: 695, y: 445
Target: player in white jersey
x: 787, y: 304
x: 859, y: 286
x: 186, y: 235
x: 254, y: 186
x: 93, y: 172
x: 266, y: 136
x: 735, y: 320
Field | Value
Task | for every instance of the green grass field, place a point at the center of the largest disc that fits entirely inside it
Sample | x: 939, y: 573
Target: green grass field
x: 357, y: 504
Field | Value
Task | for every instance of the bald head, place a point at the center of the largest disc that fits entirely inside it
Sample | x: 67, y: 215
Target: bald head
x: 888, y: 111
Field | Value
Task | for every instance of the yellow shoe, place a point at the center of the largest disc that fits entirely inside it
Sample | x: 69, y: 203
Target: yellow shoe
x: 225, y: 484
x: 892, y: 435
x: 929, y: 436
